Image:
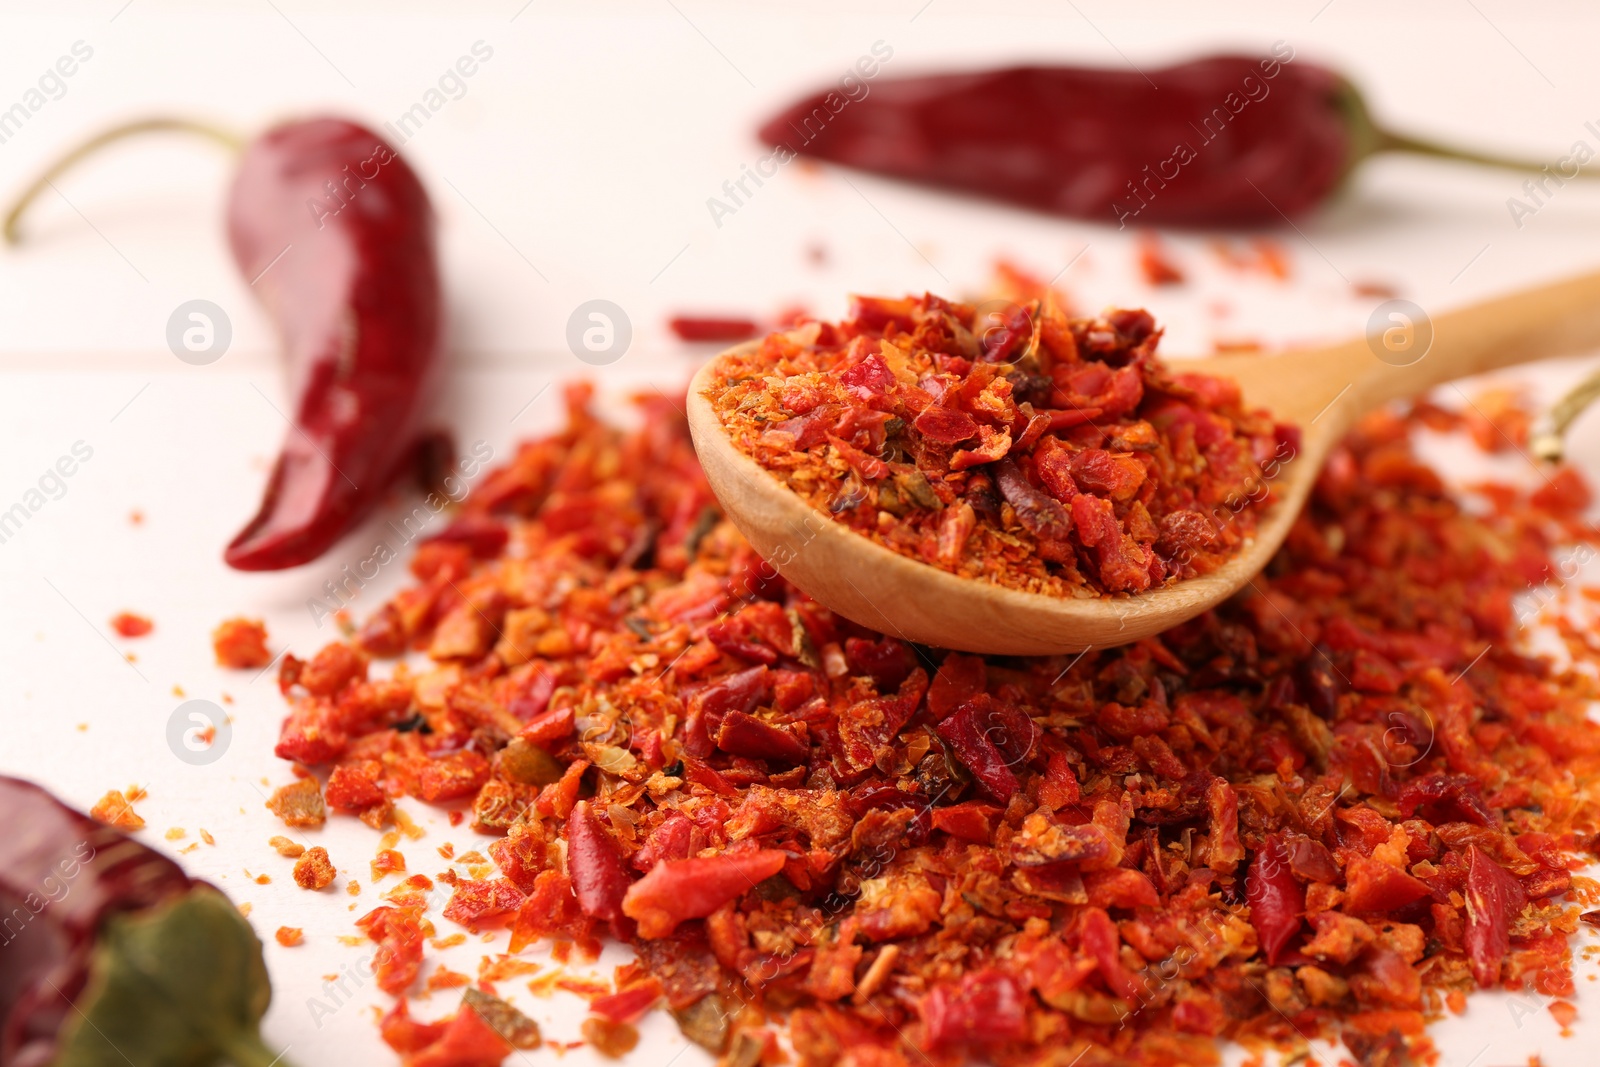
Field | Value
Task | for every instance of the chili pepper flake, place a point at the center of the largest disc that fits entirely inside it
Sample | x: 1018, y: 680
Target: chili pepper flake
x: 299, y: 804
x: 290, y: 936
x: 115, y: 809
x: 241, y: 644
x: 1155, y: 262
x: 127, y: 624
x: 1300, y: 805
x: 314, y: 870
x: 611, y: 1039
x: 285, y: 847
x: 711, y: 328
x: 387, y: 862
x: 444, y: 978
x: 1018, y: 446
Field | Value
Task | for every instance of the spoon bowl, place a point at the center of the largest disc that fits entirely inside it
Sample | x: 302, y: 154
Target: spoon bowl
x: 1323, y: 391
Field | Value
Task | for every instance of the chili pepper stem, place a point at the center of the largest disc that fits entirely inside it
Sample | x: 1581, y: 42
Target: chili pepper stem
x: 1548, y: 438
x: 247, y: 1050
x: 47, y: 179
x: 1396, y: 142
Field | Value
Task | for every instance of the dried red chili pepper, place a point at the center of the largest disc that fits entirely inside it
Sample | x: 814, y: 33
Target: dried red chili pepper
x: 334, y: 231
x: 1221, y: 140
x: 360, y: 312
x: 172, y: 962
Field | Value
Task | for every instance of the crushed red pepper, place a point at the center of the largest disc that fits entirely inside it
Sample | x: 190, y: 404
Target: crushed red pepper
x: 127, y: 624
x: 240, y: 644
x: 116, y: 809
x: 1323, y: 809
x: 1010, y: 443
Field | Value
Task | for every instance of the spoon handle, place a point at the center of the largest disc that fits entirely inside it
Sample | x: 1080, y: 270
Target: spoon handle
x: 1409, y: 354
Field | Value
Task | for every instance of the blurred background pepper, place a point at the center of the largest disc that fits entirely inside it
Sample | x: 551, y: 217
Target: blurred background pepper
x: 1226, y: 140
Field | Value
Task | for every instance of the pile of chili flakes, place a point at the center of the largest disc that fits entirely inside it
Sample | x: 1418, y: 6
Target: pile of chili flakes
x: 1330, y: 808
x: 1008, y: 441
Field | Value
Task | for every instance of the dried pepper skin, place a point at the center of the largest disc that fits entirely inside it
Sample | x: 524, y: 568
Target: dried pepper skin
x: 1300, y: 804
x: 677, y: 890
x: 599, y: 877
x: 1102, y: 144
x: 1494, y: 899
x: 1063, y: 458
x: 1276, y: 897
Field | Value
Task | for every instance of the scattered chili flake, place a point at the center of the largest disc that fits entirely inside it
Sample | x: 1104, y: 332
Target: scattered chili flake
x: 703, y: 328
x: 1259, y: 254
x: 127, y: 624
x: 299, y: 803
x: 387, y: 862
x: 502, y: 968
x: 1304, y: 803
x: 290, y: 936
x: 630, y: 1002
x: 1366, y: 287
x: 482, y: 1033
x: 1224, y: 346
x: 285, y: 847
x: 444, y: 978
x: 518, y: 1031
x: 314, y: 870
x: 241, y: 644
x: 1499, y: 420
x: 205, y: 835
x: 1155, y: 262
x: 115, y: 809
x: 611, y: 1039
x: 176, y: 833
x: 1012, y: 444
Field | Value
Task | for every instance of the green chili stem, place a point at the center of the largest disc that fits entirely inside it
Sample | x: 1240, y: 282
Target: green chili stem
x: 1395, y: 142
x: 247, y: 1050
x: 99, y: 141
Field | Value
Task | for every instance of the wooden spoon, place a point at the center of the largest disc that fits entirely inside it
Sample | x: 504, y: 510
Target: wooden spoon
x: 1324, y: 391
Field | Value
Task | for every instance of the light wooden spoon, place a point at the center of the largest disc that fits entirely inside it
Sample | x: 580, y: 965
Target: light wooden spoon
x: 1323, y: 391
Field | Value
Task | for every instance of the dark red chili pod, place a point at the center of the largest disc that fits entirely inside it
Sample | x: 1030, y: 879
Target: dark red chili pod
x: 1214, y: 141
x: 335, y: 232
x: 110, y: 953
